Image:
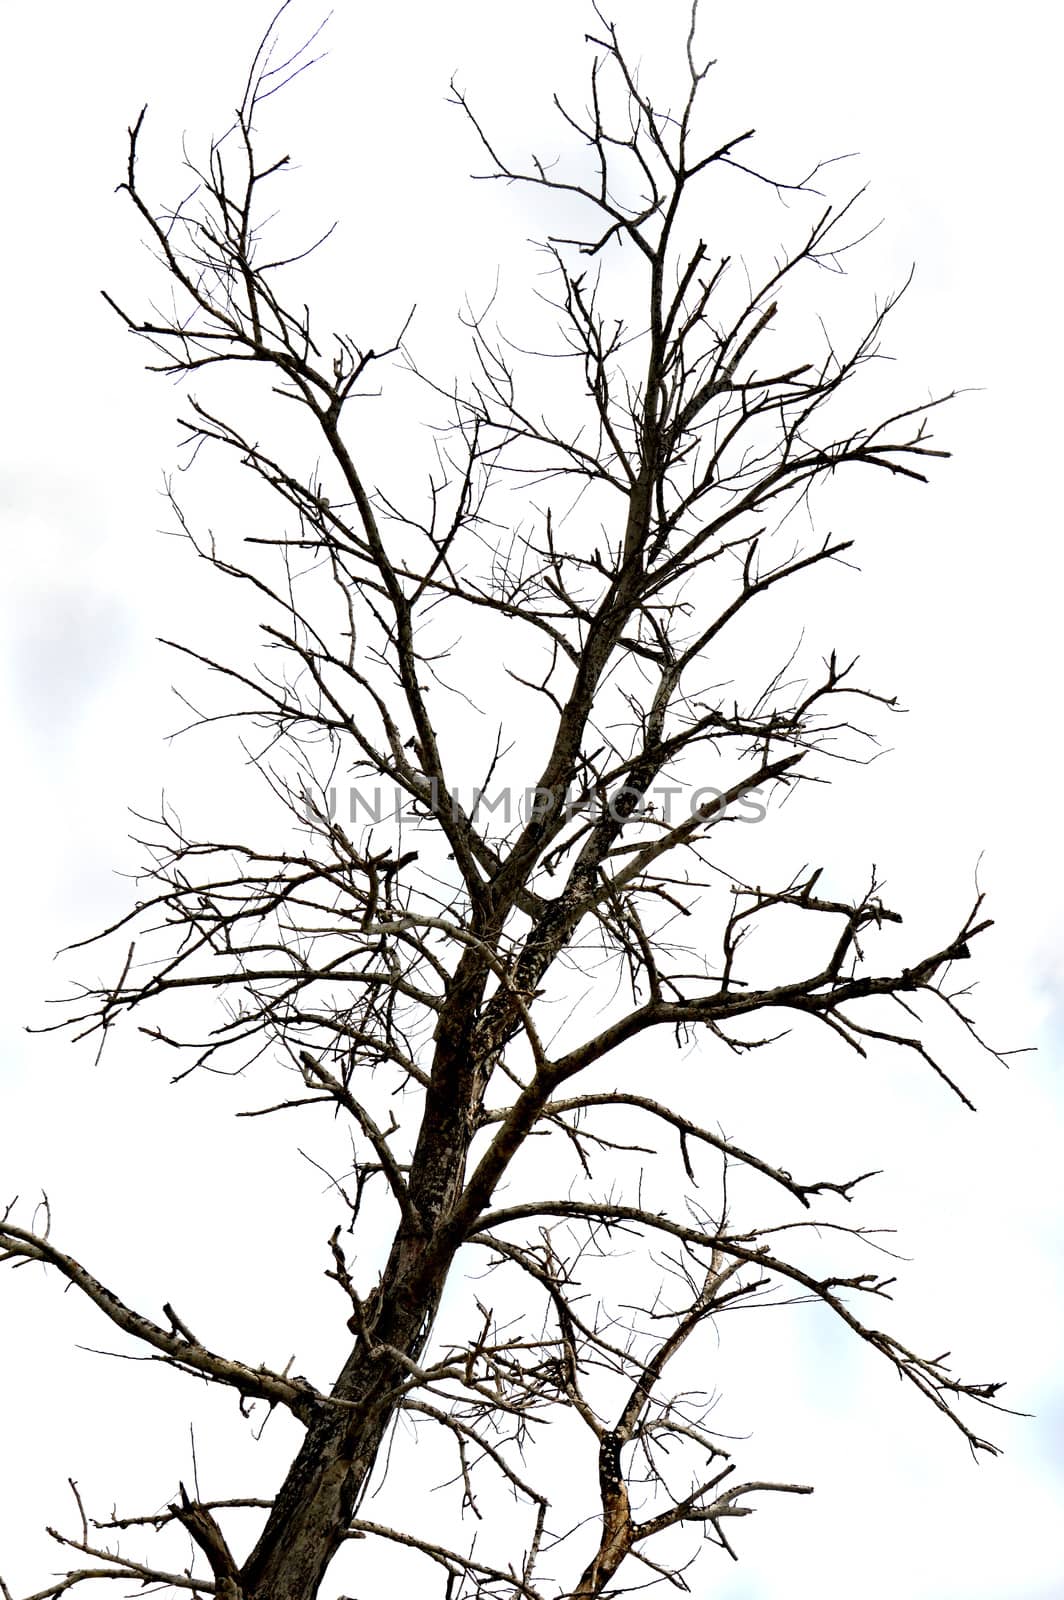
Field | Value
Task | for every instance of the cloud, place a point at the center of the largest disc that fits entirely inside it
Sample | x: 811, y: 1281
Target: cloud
x: 63, y: 646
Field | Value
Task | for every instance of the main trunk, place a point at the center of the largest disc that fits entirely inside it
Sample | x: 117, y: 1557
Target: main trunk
x: 314, y: 1507
x: 318, y: 1497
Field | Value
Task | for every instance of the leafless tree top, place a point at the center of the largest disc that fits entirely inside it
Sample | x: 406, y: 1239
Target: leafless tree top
x: 488, y: 979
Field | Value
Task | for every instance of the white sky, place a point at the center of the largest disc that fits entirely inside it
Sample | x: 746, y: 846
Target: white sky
x: 953, y: 112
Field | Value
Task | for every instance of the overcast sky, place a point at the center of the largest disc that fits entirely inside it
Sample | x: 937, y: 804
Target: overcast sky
x: 952, y: 111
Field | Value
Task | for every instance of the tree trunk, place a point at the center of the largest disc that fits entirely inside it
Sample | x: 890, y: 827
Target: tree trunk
x: 318, y: 1497
x: 315, y: 1504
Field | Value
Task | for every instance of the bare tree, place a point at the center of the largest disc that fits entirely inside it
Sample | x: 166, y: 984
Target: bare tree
x: 444, y: 973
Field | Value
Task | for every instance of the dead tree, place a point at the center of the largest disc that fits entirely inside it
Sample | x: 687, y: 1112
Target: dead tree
x: 445, y: 976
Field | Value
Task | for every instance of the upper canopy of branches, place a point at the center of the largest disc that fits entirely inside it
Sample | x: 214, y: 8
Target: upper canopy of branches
x: 406, y: 970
